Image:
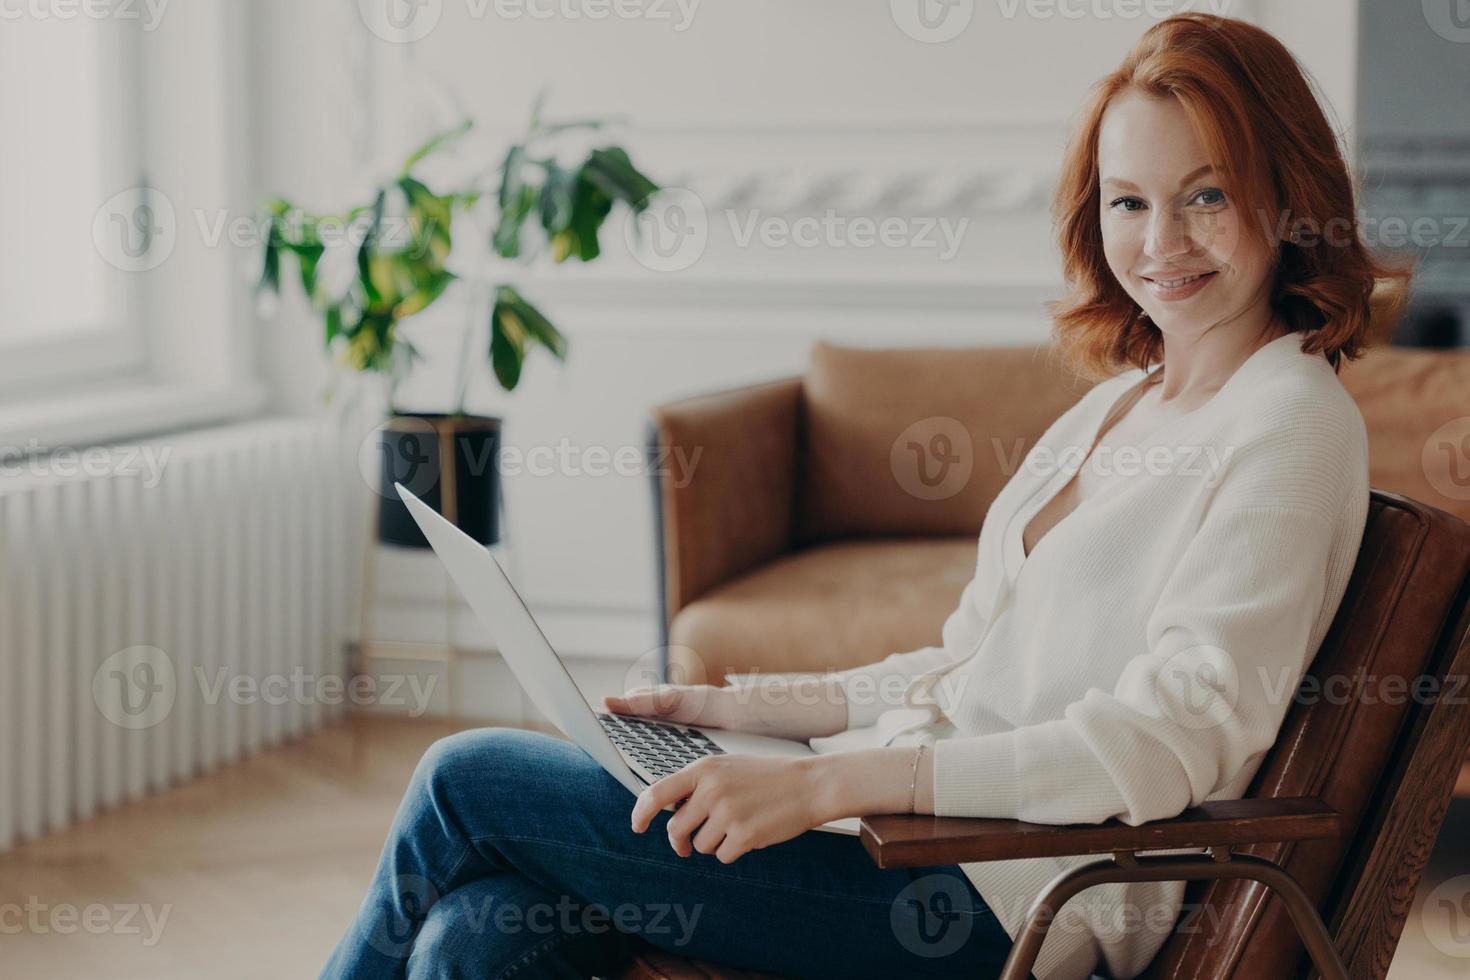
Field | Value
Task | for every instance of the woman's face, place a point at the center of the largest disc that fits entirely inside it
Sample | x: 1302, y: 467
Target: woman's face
x: 1176, y: 242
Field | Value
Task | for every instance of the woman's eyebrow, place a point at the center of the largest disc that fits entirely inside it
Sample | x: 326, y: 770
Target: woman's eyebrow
x: 1130, y: 186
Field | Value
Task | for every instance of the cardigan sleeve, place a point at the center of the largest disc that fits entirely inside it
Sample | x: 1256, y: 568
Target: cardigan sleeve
x: 1226, y: 645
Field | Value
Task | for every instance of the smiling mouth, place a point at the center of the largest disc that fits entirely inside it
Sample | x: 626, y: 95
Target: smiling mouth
x: 1176, y: 283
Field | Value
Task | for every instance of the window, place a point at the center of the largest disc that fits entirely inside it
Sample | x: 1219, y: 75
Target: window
x: 73, y: 219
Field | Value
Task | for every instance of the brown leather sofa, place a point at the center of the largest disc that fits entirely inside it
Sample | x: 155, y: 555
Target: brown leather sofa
x: 832, y: 518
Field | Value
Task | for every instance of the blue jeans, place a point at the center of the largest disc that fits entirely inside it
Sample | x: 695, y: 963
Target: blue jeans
x: 511, y: 855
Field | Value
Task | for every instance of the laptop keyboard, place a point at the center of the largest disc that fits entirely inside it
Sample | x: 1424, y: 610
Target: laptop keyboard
x: 659, y: 748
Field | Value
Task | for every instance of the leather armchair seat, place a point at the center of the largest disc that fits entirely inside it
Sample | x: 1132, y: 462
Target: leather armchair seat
x: 808, y: 610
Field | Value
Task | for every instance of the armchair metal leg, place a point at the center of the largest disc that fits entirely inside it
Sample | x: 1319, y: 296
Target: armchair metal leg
x: 1130, y: 868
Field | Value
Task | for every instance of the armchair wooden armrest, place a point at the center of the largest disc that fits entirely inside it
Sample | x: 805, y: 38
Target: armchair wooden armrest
x: 918, y: 840
x: 724, y: 482
x: 913, y: 840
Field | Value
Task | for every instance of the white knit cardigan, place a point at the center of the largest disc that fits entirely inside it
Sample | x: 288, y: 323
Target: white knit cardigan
x: 1140, y: 661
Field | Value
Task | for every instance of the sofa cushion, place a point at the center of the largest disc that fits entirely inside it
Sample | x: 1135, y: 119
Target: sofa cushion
x: 919, y: 441
x: 1416, y: 405
x: 828, y: 607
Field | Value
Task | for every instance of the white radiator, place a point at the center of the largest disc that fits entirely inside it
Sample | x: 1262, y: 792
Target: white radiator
x: 165, y: 608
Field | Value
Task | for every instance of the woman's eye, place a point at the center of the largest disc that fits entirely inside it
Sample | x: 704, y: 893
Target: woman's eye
x: 1128, y: 204
x: 1210, y: 197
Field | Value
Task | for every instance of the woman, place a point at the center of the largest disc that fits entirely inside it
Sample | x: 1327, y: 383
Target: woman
x: 1127, y: 647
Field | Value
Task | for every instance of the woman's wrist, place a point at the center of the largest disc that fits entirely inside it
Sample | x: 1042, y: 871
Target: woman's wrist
x: 872, y: 781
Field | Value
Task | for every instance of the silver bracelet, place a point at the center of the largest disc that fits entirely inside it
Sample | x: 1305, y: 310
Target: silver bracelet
x: 914, y: 778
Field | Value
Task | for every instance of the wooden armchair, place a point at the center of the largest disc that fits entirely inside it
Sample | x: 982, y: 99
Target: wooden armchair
x: 1327, y: 848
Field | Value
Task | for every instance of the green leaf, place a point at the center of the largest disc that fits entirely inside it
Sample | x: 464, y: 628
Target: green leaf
x: 307, y: 258
x: 510, y: 174
x: 333, y: 316
x: 590, y: 208
x: 614, y: 174
x: 366, y: 250
x: 426, y: 293
x: 535, y: 324
x: 275, y: 206
x: 386, y: 280
x: 430, y: 217
x: 507, y: 343
x: 270, y: 270
x: 557, y: 198
x: 507, y: 238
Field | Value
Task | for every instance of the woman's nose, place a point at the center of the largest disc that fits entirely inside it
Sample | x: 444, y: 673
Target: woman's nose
x: 1168, y: 236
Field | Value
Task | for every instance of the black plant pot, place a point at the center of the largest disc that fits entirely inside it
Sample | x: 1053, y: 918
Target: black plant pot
x: 413, y: 450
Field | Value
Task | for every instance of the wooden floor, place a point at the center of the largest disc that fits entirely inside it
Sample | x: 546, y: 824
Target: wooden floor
x: 258, y: 867
x: 254, y: 871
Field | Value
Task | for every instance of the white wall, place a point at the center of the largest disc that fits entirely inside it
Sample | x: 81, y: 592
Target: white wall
x: 776, y: 109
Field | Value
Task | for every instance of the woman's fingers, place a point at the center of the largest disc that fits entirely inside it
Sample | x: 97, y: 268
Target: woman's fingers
x: 707, y: 841
x: 685, y: 821
x: 660, y: 794
x: 660, y: 701
x: 731, y: 849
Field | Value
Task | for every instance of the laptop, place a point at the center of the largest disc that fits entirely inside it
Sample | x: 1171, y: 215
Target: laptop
x: 634, y: 751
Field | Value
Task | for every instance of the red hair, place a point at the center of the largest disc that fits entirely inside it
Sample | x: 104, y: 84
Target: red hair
x: 1254, y: 110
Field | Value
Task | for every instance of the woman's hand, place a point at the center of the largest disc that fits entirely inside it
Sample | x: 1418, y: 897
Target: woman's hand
x: 735, y: 803
x: 729, y: 804
x: 686, y: 704
x: 783, y: 707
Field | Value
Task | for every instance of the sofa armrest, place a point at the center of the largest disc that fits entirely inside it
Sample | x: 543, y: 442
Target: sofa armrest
x: 918, y: 840
x: 724, y: 485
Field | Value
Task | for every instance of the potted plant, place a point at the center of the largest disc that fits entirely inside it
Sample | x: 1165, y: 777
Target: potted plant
x: 396, y: 250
